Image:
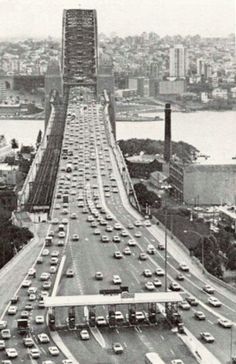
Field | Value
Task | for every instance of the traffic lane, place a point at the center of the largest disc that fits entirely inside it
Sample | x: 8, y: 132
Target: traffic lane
x: 221, y: 347
x: 228, y: 304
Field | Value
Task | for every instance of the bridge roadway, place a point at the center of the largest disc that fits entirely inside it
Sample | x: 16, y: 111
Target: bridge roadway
x: 94, y: 160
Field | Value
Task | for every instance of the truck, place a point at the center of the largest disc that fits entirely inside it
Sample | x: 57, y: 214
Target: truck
x: 48, y: 241
x: 65, y: 199
x: 23, y: 326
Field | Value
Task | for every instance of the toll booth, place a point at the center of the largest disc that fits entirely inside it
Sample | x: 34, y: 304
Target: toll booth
x: 115, y: 301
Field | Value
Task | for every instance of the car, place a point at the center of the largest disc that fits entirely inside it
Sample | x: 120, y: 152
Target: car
x: 177, y: 361
x: 116, y: 239
x: 116, y: 279
x: 32, y: 272
x: 117, y: 348
x: 130, y: 226
x: 2, y: 345
x: 180, y: 277
x: 124, y: 233
x: 143, y: 256
x: 55, y: 221
x: 157, y: 282
x: 99, y: 276
x: 67, y: 361
x: 159, y: 272
x: 149, y: 286
x: 208, y: 289
x: 192, y: 300
x: 174, y: 286
x: 32, y: 297
x: 150, y: 249
x: 24, y: 314
x: 119, y: 316
x: 109, y: 228
x: 118, y: 255
x: 61, y: 234
x: 44, y: 276
x: 26, y: 283
x: 39, y: 260
x: 73, y: 216
x: 28, y: 307
x: 127, y: 251
x: 199, y: 315
x: 225, y: 323
x: 11, y: 353
x: 6, y: 361
x: 207, y: 337
x: 3, y: 324
x: 101, y: 321
x: 34, y: 353
x: 105, y: 239
x: 28, y: 342
x: 138, y: 223
x: 12, y: 310
x: 184, y: 267
x: 147, y: 223
x: 84, y: 334
x: 117, y: 226
x: 94, y: 224
x: 6, y: 334
x: 184, y: 305
x: 138, y: 234
x: 75, y: 237
x: 39, y: 319
x: 70, y: 273
x: 147, y: 273
x: 213, y: 301
x: 140, y: 316
x: 53, y: 350
x: 97, y: 232
x: 43, y: 338
x: 132, y: 242
x: 55, y: 253
x: 161, y: 246
x: 53, y: 269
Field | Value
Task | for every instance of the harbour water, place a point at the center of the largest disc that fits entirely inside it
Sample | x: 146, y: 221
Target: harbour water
x: 212, y: 132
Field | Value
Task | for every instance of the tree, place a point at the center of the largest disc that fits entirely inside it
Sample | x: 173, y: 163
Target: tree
x: 14, y: 144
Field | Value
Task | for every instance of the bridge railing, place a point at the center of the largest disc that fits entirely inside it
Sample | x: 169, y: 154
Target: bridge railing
x: 23, y: 195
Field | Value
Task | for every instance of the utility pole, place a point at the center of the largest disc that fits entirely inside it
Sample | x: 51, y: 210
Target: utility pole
x: 166, y: 251
x: 203, y: 263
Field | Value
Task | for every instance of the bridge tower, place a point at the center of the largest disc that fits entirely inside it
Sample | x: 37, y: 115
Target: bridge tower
x: 79, y: 49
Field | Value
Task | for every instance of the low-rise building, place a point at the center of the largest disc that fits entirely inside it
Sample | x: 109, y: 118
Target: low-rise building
x: 8, y: 174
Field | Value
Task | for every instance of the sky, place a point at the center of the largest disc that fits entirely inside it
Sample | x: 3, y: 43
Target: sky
x: 41, y: 18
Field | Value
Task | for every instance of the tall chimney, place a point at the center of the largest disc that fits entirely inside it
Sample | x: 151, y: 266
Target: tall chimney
x: 167, y: 146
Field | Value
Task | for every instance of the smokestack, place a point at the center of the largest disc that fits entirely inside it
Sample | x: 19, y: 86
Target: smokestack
x: 167, y: 146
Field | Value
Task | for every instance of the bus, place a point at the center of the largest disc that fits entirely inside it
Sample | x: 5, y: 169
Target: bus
x: 153, y: 358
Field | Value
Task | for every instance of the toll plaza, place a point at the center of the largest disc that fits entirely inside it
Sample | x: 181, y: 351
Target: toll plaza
x: 137, y: 309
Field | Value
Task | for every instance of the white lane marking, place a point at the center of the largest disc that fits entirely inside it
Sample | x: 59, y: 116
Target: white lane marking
x: 212, y: 323
x: 162, y: 337
x: 125, y: 345
x: 172, y: 351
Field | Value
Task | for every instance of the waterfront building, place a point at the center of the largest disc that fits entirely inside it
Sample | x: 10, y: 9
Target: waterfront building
x: 176, y: 87
x: 178, y: 59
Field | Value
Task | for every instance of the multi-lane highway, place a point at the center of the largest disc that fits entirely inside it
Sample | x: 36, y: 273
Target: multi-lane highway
x: 97, y: 222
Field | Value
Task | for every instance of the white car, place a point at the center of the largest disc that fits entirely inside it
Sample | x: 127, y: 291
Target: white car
x: 26, y: 283
x: 11, y: 353
x: 117, y: 348
x: 225, y: 323
x: 117, y: 226
x: 53, y: 350
x: 138, y: 223
x: 132, y: 242
x: 127, y: 251
x: 43, y: 338
x: 184, y: 305
x: 99, y: 276
x: 101, y: 321
x: 147, y: 273
x: 34, y: 353
x: 157, y: 282
x: 160, y: 272
x: 39, y: 319
x: 147, y: 223
x: 44, y: 276
x: 84, y: 334
x: 177, y: 361
x: 213, y: 301
x: 45, y: 252
x: 12, y: 310
x: 116, y: 279
x: 208, y: 289
x: 61, y: 234
x: 75, y: 237
x: 138, y: 234
x: 184, y: 267
x: 149, y: 286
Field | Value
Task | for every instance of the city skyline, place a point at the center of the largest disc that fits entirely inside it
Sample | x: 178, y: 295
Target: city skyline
x: 26, y: 18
